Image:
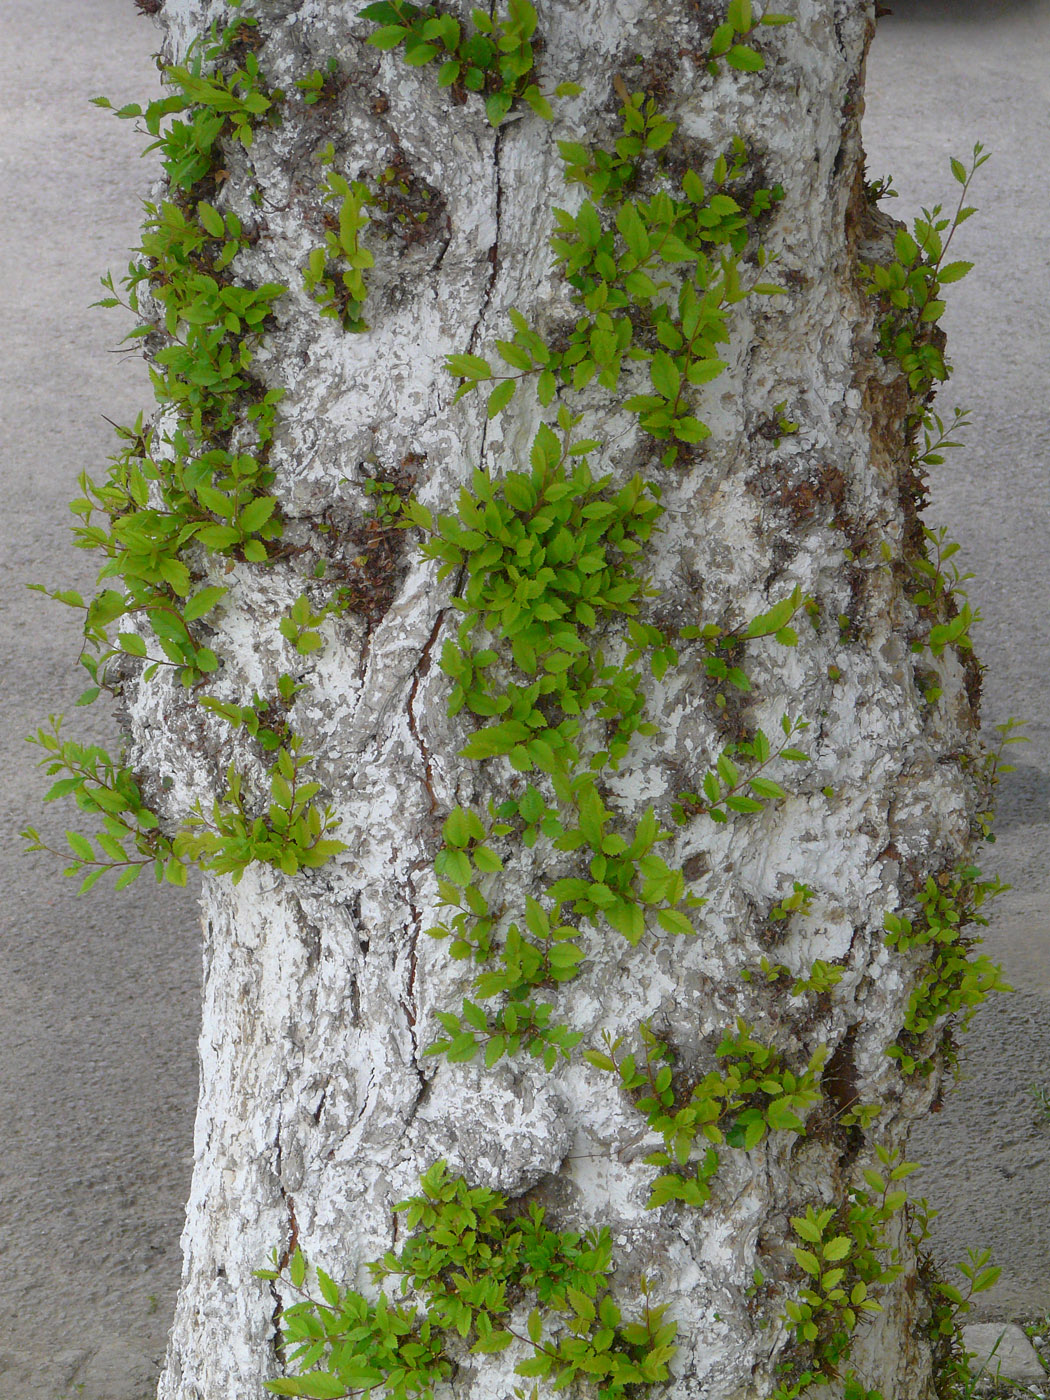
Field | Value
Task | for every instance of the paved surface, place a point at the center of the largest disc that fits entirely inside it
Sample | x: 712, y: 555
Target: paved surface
x: 942, y: 75
x: 99, y: 997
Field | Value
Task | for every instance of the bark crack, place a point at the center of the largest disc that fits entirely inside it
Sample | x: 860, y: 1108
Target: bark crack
x: 422, y: 667
x: 285, y: 1258
x: 413, y: 932
x: 320, y: 1104
x: 493, y: 256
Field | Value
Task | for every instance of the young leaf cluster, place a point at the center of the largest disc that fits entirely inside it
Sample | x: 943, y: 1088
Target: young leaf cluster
x: 910, y: 286
x: 130, y: 837
x: 300, y: 623
x: 216, y: 103
x: 334, y: 274
x: 654, y: 280
x: 494, y: 55
x: 844, y: 1255
x: 545, y: 557
x: 266, y: 720
x: 723, y: 787
x: 952, y: 981
x: 163, y: 499
x: 820, y: 979
x: 940, y: 582
x: 724, y: 649
x: 753, y: 1093
x: 291, y: 835
x: 317, y: 86
x: 205, y: 484
x: 474, y: 1266
x: 740, y: 23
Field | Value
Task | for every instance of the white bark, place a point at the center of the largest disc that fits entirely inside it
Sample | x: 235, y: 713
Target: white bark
x: 317, y: 1108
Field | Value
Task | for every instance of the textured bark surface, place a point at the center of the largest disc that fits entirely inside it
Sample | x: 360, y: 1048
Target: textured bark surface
x: 318, y: 1109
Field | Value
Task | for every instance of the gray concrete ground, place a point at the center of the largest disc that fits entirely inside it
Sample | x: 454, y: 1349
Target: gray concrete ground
x: 942, y: 75
x: 99, y: 996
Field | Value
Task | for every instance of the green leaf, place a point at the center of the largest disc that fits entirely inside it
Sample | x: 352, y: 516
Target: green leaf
x: 746, y: 59
x: 673, y: 921
x: 806, y: 1229
x: 416, y: 55
x: 689, y: 429
x: 514, y: 355
x: 80, y: 845
x: 905, y: 247
x: 673, y: 249
x: 500, y: 397
x: 323, y: 1385
x: 539, y: 104
x: 468, y: 366
x: 494, y: 1341
x: 953, y: 271
x: 497, y: 105
x: 721, y: 40
x: 737, y: 802
x: 388, y: 37
x: 456, y: 830
x: 703, y: 371
x: 665, y: 375
x: 211, y: 219
x: 202, y: 602
x: 807, y: 1260
x: 131, y: 643
x: 630, y: 224
x: 766, y: 788
x: 256, y: 513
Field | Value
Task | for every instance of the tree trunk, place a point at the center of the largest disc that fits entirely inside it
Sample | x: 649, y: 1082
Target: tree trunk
x: 319, y: 1105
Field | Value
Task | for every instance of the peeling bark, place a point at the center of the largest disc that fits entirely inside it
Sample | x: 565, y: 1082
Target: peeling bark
x: 318, y: 1108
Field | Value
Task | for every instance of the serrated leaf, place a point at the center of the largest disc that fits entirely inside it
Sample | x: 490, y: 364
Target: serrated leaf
x: 806, y: 1260
x: 806, y: 1229
x: 690, y: 429
x: 673, y: 921
x: 486, y: 860
x: 494, y: 1341
x: 766, y: 788
x: 468, y: 366
x: 665, y: 375
x: 131, y: 643
x: 211, y: 220
x: 388, y: 37
x: 80, y: 845
x: 952, y: 272
x: 837, y: 1248
x: 745, y: 59
x: 202, y: 602
x: 501, y: 396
